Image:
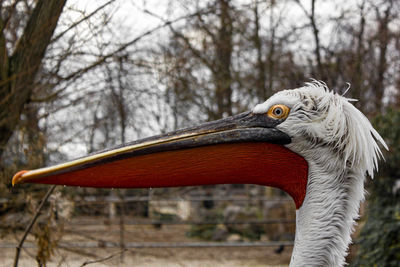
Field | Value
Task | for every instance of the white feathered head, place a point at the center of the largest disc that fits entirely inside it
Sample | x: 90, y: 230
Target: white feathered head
x: 321, y: 118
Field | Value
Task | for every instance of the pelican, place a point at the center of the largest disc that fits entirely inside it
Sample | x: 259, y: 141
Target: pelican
x: 310, y: 142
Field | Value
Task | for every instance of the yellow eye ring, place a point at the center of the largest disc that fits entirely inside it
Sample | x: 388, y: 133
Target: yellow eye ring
x: 278, y: 112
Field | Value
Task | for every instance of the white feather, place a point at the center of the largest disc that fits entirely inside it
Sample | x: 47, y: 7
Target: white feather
x: 340, y: 146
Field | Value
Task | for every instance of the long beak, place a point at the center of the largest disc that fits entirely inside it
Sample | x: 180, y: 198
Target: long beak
x: 242, y: 149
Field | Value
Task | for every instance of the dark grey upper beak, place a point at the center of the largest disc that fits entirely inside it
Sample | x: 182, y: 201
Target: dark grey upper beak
x: 244, y: 127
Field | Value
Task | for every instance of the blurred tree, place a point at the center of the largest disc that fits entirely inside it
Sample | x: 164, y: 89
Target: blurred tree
x: 355, y: 44
x: 226, y: 58
x: 21, y: 60
x: 202, y: 53
x: 379, y: 242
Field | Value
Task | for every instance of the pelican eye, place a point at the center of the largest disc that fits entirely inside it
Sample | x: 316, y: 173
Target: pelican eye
x: 278, y: 112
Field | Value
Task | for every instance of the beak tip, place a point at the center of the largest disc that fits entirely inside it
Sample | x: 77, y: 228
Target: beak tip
x: 17, y: 179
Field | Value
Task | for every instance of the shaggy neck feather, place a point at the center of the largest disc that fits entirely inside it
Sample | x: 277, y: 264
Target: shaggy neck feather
x: 325, y: 221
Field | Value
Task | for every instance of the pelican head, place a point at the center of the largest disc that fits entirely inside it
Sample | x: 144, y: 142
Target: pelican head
x: 310, y: 142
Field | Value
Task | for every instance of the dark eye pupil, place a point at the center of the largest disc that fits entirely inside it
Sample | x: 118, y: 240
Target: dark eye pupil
x: 278, y: 111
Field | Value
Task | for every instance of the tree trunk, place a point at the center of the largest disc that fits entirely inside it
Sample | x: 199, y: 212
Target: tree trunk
x: 222, y: 74
x: 261, y: 79
x: 18, y: 71
x: 317, y: 42
x: 358, y: 77
x: 383, y: 40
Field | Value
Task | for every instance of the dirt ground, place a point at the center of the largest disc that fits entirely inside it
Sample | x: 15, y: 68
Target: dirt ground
x: 163, y: 257
x: 204, y: 257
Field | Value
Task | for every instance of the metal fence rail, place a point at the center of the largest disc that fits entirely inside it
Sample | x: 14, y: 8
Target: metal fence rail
x: 106, y: 244
x: 204, y: 222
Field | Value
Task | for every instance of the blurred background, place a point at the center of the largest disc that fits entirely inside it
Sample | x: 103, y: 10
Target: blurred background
x: 80, y: 76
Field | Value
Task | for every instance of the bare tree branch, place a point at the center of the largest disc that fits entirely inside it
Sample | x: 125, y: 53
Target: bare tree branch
x: 30, y: 225
x: 81, y: 20
x: 314, y: 27
x: 104, y: 259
